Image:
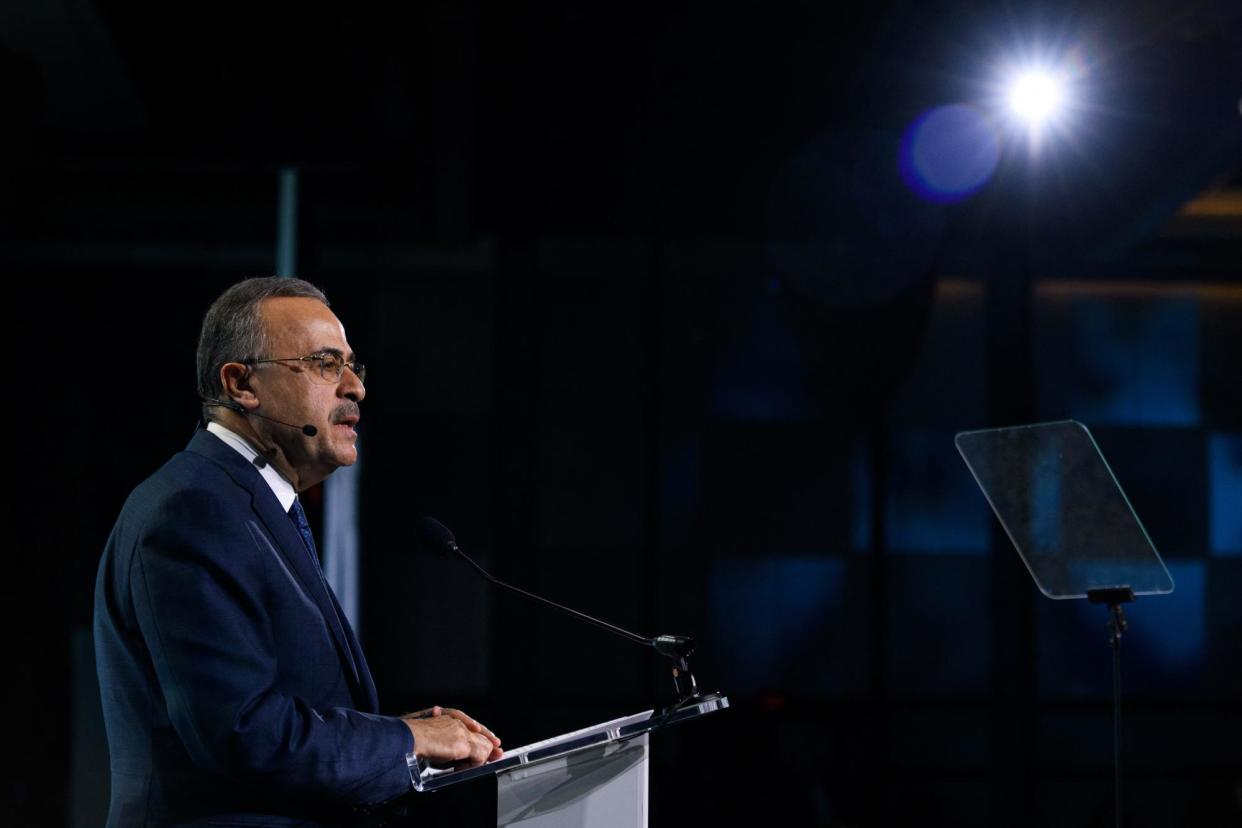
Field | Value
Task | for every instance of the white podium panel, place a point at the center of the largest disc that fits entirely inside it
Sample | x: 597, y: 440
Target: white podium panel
x: 604, y: 786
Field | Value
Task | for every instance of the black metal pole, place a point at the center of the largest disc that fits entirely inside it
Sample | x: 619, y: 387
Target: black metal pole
x: 1114, y: 597
x: 1117, y: 623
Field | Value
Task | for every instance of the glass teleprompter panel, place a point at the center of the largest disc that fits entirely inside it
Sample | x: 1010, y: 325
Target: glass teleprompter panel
x: 1060, y: 504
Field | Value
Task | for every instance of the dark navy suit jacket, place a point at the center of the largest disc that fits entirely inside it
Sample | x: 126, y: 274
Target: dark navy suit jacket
x: 233, y: 692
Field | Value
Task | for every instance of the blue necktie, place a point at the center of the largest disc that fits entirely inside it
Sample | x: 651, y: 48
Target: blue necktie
x: 299, y: 520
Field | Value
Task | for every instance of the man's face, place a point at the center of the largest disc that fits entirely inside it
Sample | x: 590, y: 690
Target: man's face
x: 297, y: 393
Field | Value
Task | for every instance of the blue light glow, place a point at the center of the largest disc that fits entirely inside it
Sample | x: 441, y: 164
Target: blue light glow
x: 949, y: 154
x: 1225, y: 481
x: 931, y: 503
x: 1164, y: 648
x: 1120, y: 363
x: 1171, y: 630
x: 771, y: 614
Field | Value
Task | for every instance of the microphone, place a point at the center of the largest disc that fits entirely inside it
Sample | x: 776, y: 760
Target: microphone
x: 308, y: 429
x: 436, y: 535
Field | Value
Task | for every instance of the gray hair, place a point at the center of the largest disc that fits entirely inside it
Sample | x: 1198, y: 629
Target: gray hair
x: 233, y: 329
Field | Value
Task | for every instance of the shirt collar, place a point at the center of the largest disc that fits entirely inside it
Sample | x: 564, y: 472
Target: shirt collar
x: 281, y: 487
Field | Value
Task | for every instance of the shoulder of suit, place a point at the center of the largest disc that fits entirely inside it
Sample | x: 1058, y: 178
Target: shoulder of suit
x: 186, y: 475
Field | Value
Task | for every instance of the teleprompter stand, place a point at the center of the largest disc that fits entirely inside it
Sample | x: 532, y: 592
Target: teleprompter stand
x: 1113, y: 598
x: 1073, y: 527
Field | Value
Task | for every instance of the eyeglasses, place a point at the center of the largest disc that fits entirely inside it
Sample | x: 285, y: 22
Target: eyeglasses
x: 331, y: 366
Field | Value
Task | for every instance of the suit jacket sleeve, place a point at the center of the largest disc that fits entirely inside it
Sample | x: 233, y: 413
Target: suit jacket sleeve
x: 201, y: 582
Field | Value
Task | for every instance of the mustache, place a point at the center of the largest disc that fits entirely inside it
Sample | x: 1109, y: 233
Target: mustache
x: 347, y: 409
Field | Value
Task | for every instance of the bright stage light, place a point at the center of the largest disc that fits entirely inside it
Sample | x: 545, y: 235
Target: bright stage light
x: 1036, y: 97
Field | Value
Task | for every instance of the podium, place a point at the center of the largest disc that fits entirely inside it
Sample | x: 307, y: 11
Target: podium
x: 595, y: 777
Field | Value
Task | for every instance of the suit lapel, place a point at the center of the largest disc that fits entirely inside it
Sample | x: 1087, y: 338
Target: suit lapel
x: 367, y: 683
x: 290, y: 546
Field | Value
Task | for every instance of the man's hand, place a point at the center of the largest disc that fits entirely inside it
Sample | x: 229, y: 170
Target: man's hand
x: 443, y: 735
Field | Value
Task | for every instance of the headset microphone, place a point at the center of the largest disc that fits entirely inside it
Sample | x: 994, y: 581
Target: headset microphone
x: 308, y: 429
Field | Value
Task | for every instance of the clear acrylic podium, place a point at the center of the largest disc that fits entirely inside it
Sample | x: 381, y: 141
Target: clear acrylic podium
x: 591, y: 778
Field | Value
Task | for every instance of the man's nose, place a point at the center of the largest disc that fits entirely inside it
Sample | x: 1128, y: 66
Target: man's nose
x: 350, y: 386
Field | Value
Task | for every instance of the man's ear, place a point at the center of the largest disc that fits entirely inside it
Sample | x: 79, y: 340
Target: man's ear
x: 235, y: 377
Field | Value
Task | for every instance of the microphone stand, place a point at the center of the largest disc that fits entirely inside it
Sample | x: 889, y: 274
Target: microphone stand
x: 678, y: 648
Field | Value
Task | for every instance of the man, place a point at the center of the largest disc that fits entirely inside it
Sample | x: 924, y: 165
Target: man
x: 234, y: 690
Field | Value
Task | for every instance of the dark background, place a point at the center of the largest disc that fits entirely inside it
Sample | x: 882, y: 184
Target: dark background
x: 655, y: 324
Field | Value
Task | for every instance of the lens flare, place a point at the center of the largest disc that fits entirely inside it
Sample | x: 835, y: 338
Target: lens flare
x: 949, y: 154
x: 1036, y: 96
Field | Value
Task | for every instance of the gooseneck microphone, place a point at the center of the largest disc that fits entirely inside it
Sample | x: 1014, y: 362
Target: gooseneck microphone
x: 676, y: 647
x: 308, y: 429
